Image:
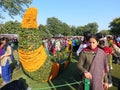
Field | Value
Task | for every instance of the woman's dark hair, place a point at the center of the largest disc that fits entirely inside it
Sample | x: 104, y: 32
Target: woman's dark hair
x: 0, y: 41
x: 5, y: 39
x: 100, y: 35
x: 95, y: 37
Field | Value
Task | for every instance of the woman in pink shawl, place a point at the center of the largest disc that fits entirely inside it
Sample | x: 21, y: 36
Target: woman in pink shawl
x: 93, y: 64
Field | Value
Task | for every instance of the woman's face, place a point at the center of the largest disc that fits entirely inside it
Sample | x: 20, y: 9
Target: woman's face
x: 93, y: 43
x: 4, y: 42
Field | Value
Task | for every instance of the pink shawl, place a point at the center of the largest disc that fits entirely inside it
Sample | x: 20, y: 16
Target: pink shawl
x: 98, y: 69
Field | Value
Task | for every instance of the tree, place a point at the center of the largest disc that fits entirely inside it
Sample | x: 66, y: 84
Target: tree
x: 65, y: 29
x: 93, y: 27
x: 115, y: 26
x: 11, y: 27
x: 80, y: 30
x: 1, y: 28
x: 54, y: 26
x: 45, y: 33
x: 72, y: 31
x: 105, y: 32
x: 13, y: 7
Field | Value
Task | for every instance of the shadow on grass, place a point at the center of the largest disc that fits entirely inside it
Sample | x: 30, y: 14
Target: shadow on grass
x: 70, y: 75
x: 74, y: 56
x: 13, y: 65
x: 116, y: 81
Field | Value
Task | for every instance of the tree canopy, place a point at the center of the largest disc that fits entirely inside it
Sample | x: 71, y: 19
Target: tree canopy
x: 105, y: 32
x: 115, y: 26
x: 45, y: 33
x: 54, y: 27
x: 13, y: 7
x: 93, y: 27
x: 10, y: 27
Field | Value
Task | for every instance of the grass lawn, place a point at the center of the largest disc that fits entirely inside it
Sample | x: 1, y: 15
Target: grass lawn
x: 70, y: 75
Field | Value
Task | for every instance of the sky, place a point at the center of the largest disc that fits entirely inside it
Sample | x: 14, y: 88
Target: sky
x: 76, y: 12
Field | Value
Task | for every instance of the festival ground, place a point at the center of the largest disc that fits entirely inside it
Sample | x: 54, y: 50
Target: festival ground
x: 70, y: 75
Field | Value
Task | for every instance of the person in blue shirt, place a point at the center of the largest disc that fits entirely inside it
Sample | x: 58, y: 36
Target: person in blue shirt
x: 73, y: 44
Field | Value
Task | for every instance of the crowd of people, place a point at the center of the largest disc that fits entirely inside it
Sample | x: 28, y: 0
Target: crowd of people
x: 56, y: 44
x: 96, y: 54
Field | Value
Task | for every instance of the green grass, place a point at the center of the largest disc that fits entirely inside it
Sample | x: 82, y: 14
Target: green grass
x: 70, y: 75
x: 115, y: 76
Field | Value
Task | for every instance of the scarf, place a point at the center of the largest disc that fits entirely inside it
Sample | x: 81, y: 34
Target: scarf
x: 97, y: 69
x: 89, y: 49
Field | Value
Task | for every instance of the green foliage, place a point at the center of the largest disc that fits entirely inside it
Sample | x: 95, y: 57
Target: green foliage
x: 105, y: 32
x: 72, y: 30
x: 60, y: 57
x: 13, y: 7
x: 1, y: 28
x: 30, y: 39
x: 54, y: 26
x: 80, y: 30
x: 11, y: 27
x: 93, y: 27
x: 45, y: 33
x: 115, y: 26
x: 57, y: 27
x: 65, y: 29
x: 14, y: 27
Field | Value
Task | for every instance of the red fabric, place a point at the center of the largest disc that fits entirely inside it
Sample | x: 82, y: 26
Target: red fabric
x: 118, y: 44
x: 54, y: 50
x: 107, y: 50
x: 89, y: 49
